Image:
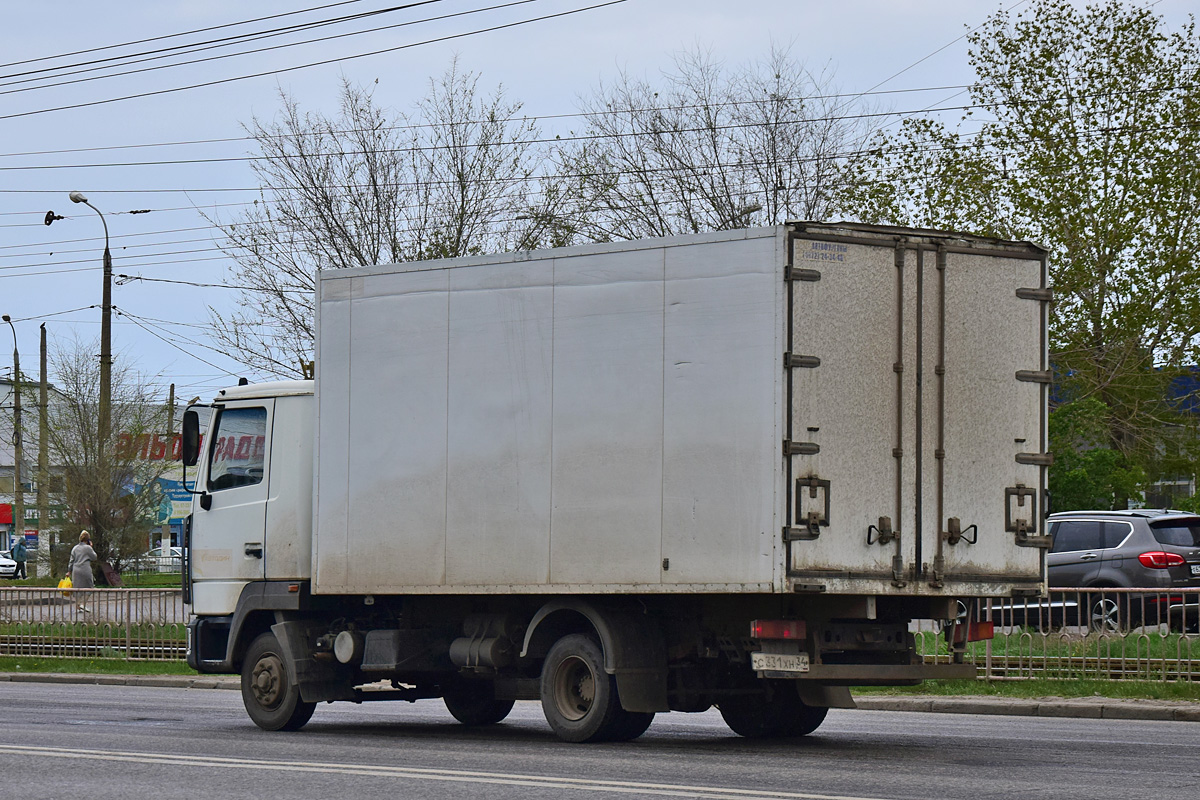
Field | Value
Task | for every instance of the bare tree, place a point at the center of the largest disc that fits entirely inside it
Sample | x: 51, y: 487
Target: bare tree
x: 700, y: 152
x: 455, y: 177
x: 109, y: 489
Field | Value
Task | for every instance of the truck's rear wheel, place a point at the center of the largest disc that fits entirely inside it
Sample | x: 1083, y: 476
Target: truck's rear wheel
x: 474, y: 703
x: 580, y: 699
x: 776, y: 713
x: 271, y: 699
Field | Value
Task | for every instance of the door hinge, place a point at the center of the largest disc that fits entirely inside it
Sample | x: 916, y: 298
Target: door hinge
x: 1035, y: 376
x: 800, y: 448
x: 801, y: 274
x: 794, y: 361
x: 1041, y: 295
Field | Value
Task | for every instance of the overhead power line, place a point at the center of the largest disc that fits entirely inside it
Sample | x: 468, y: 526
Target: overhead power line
x: 175, y: 35
x: 323, y: 62
x: 97, y: 64
x: 243, y: 39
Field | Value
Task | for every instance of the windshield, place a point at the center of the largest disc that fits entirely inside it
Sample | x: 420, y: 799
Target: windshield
x: 1178, y: 532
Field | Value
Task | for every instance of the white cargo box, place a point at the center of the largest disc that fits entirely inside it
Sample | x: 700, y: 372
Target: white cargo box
x: 808, y: 407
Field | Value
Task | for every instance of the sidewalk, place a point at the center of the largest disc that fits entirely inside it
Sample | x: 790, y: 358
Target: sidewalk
x: 1075, y: 707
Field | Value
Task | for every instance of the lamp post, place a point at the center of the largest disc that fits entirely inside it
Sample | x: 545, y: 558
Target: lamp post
x: 18, y: 493
x: 744, y: 212
x: 105, y: 331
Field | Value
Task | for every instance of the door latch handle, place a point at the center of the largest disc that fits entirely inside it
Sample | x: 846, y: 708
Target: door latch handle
x: 254, y: 550
x: 1088, y: 557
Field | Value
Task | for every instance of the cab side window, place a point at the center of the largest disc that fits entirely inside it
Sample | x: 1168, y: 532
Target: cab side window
x: 1071, y: 535
x: 238, y: 451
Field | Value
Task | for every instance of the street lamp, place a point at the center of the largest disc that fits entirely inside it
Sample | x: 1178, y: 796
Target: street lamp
x: 105, y: 329
x: 743, y: 213
x: 18, y: 450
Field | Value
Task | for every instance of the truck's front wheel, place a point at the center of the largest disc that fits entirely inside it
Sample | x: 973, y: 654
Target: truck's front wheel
x: 580, y: 699
x: 271, y: 699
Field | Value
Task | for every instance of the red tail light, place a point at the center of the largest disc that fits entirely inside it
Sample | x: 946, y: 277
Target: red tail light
x: 974, y: 631
x: 1160, y: 560
x: 777, y: 629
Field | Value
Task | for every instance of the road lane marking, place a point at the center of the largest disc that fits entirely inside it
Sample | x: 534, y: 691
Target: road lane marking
x: 421, y: 773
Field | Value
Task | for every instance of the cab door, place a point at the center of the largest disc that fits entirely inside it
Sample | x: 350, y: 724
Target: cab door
x: 229, y: 521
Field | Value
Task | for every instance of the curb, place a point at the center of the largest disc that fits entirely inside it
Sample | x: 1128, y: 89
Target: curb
x: 164, y: 681
x: 1073, y: 708
x: 1069, y: 708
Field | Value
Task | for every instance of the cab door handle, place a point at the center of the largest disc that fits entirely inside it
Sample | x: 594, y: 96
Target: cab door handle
x: 254, y: 550
x: 1088, y: 557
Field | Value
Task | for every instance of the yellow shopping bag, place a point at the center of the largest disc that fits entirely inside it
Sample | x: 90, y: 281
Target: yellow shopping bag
x: 65, y: 583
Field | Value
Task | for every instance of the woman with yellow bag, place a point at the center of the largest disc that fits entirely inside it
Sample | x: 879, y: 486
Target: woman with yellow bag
x: 79, y: 567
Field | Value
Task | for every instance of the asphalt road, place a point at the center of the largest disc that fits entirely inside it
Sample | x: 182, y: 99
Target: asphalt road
x: 63, y: 741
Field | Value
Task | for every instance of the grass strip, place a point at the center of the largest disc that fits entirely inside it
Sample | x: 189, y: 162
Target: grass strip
x: 93, y: 666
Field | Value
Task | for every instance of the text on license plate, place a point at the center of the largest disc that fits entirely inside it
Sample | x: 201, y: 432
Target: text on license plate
x: 1196, y: 569
x: 776, y: 662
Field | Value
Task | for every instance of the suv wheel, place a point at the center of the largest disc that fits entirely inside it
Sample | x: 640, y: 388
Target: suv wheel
x: 1109, y: 613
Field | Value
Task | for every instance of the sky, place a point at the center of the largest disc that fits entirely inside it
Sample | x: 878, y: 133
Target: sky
x: 55, y: 139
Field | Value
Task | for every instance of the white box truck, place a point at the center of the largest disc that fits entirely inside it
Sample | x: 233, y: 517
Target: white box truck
x: 726, y: 469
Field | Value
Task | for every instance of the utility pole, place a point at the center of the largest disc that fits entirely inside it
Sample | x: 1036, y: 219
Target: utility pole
x: 18, y: 450
x: 45, y: 538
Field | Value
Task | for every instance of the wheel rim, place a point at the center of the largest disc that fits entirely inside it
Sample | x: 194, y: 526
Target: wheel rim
x: 1106, y: 615
x: 267, y: 681
x: 574, y: 688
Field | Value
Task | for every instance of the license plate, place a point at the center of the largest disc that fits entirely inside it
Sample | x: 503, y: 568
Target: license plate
x: 776, y: 662
x: 1196, y: 569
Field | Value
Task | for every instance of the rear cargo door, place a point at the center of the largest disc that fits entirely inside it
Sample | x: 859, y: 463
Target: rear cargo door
x: 917, y: 376
x: 985, y: 395
x: 849, y: 452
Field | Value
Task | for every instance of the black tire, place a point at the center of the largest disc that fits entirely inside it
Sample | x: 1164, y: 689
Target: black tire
x: 777, y: 712
x: 271, y: 699
x: 631, y: 725
x: 473, y: 703
x: 579, y: 698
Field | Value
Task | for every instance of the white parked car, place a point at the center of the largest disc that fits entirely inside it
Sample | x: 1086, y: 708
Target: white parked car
x: 8, y: 567
x: 161, y: 559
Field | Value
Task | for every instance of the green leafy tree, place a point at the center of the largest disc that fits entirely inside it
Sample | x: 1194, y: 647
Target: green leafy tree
x: 1090, y: 125
x: 1088, y: 473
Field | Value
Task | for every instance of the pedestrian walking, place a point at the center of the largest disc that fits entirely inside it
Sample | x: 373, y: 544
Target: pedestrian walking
x: 79, y: 567
x: 19, y: 555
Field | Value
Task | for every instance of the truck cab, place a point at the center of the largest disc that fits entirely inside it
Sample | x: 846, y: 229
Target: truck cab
x: 251, y: 519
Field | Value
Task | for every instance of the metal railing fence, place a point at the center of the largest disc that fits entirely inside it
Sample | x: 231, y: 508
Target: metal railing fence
x: 131, y: 624
x: 1097, y: 634
x: 1079, y: 633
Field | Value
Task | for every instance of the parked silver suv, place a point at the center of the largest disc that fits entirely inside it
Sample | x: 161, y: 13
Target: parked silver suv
x: 1142, y: 549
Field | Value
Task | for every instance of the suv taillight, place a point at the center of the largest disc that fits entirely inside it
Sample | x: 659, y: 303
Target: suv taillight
x: 1160, y: 560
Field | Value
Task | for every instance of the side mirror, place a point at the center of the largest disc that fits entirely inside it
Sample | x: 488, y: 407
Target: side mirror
x: 191, y: 438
